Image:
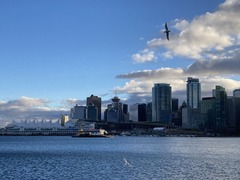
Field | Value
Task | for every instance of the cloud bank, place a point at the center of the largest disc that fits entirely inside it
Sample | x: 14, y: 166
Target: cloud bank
x: 144, y: 56
x: 26, y: 107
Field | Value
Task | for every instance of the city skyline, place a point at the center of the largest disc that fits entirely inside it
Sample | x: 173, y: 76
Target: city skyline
x: 54, y: 54
x: 155, y: 92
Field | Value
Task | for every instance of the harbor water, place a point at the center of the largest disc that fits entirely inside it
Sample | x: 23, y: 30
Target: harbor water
x: 64, y: 157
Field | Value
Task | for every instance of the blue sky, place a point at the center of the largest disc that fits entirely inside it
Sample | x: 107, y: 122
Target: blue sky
x: 56, y: 53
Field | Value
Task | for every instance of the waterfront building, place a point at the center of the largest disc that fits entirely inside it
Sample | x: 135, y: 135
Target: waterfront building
x: 85, y: 125
x: 45, y: 128
x: 233, y: 110
x: 64, y: 119
x: 92, y: 112
x: 186, y: 115
x: 191, y: 118
x: 97, y: 101
x: 220, y: 108
x: 133, y: 112
x: 142, y: 112
x: 174, y: 104
x: 193, y: 92
x: 125, y: 113
x: 178, y: 120
x: 174, y: 111
x: 236, y: 93
x: 114, y: 113
x: 149, y: 111
x: 105, y: 114
x: 207, y: 108
x: 78, y: 112
x: 125, y: 108
x: 162, y: 103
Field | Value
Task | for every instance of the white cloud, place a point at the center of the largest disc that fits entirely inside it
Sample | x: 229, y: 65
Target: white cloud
x: 167, y: 73
x: 25, y: 103
x: 144, y: 56
x: 134, y: 86
x: 207, y: 33
x: 27, y: 107
x: 181, y: 24
x: 72, y: 102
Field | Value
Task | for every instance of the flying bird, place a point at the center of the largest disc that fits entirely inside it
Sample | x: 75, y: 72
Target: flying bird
x: 127, y: 163
x: 167, y: 31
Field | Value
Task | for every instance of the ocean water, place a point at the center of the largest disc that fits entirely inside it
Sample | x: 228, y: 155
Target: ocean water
x: 117, y: 158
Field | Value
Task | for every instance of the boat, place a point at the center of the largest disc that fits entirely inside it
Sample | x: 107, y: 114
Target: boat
x: 92, y: 133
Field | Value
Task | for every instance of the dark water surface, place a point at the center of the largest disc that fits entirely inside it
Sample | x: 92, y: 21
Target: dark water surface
x: 52, y: 157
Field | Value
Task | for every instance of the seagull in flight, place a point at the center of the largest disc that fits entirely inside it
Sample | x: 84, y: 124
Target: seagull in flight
x: 166, y: 31
x: 127, y: 163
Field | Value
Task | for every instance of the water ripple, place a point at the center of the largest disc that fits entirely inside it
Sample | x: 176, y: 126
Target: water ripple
x: 119, y: 158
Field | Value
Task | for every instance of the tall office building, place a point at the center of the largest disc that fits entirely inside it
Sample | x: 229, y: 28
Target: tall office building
x: 149, y: 111
x: 221, y: 108
x: 78, y: 112
x: 97, y: 103
x: 207, y: 110
x: 174, y: 104
x: 236, y: 93
x: 125, y: 109
x: 133, y: 109
x: 142, y: 112
x: 233, y: 104
x: 125, y: 113
x: 193, y: 93
x: 64, y: 119
x: 162, y: 103
x: 92, y: 112
x: 114, y: 112
x: 175, y: 113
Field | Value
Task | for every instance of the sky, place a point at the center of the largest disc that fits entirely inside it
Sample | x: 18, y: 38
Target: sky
x: 56, y: 53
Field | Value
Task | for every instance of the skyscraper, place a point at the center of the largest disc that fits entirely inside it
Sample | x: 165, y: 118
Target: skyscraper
x: 162, y: 103
x: 208, y: 114
x: 125, y: 113
x: 133, y: 109
x: 97, y: 103
x: 114, y: 113
x: 142, y: 112
x: 236, y: 93
x: 174, y: 104
x: 149, y: 111
x: 92, y: 112
x: 78, y: 112
x: 233, y: 104
x: 64, y: 119
x: 193, y: 93
x: 221, y: 108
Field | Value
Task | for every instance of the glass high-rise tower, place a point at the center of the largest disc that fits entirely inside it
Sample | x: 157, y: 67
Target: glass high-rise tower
x: 97, y: 102
x: 193, y: 93
x: 221, y: 108
x: 162, y: 103
x: 236, y: 93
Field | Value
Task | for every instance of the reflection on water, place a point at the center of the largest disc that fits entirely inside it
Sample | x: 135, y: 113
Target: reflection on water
x: 119, y: 158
